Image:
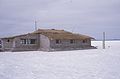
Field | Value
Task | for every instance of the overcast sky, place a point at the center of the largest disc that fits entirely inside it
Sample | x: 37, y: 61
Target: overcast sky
x: 91, y: 17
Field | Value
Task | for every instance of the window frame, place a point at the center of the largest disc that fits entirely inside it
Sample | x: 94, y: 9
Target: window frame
x: 32, y: 41
x: 24, y: 41
x: 72, y: 41
x: 84, y: 41
x: 8, y: 40
x: 0, y: 41
x: 58, y: 41
x: 28, y: 41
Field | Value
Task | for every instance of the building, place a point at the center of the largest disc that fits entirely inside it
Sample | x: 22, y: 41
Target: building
x: 46, y: 40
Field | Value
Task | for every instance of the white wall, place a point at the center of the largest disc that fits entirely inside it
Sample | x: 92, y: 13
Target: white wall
x: 44, y: 43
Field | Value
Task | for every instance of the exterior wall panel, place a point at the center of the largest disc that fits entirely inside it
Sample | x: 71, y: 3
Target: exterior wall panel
x: 18, y: 46
x: 7, y: 45
x: 66, y: 45
x: 44, y: 43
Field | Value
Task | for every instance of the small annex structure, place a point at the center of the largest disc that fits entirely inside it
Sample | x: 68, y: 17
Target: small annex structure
x: 46, y: 40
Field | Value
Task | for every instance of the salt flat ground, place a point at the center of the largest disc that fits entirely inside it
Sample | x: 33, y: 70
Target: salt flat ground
x: 78, y: 64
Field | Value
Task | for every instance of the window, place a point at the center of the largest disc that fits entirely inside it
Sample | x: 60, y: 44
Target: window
x: 84, y: 41
x: 0, y: 42
x: 32, y: 41
x: 8, y: 40
x: 72, y: 41
x: 23, y: 41
x: 28, y: 41
x: 58, y: 41
x: 0, y: 46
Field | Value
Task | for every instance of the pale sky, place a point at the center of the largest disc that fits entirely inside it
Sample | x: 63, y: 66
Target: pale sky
x: 90, y: 17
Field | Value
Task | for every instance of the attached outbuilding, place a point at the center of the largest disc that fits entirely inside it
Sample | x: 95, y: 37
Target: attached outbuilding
x: 46, y: 40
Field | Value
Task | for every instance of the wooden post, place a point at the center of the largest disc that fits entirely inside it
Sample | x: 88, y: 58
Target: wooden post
x: 103, y: 40
x: 35, y: 25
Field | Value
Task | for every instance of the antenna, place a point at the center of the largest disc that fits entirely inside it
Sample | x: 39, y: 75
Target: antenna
x: 103, y: 40
x: 73, y: 29
x: 35, y: 25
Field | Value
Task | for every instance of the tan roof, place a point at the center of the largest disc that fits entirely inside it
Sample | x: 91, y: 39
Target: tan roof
x: 56, y: 34
x: 12, y: 37
x: 50, y: 31
x: 61, y: 34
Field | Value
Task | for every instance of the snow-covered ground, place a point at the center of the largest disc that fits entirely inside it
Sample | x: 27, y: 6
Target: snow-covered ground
x: 78, y: 64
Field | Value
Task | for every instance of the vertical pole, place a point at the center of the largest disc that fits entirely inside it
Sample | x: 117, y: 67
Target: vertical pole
x: 103, y: 40
x: 35, y: 25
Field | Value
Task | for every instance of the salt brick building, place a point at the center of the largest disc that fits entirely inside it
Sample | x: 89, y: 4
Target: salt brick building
x: 46, y: 40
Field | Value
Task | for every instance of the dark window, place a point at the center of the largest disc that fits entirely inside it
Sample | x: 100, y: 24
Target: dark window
x: 23, y: 41
x: 72, y: 41
x: 32, y: 41
x: 84, y: 41
x: 28, y: 41
x: 8, y: 40
x: 0, y: 42
x: 0, y: 46
x: 58, y: 41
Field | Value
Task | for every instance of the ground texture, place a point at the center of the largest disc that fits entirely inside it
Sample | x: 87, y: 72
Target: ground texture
x: 78, y: 64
